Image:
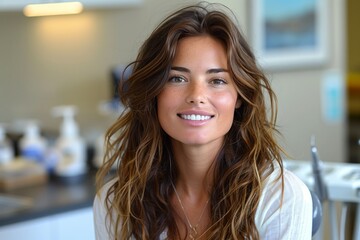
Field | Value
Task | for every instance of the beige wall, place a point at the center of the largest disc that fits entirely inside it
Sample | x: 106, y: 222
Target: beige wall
x: 299, y: 95
x: 66, y: 60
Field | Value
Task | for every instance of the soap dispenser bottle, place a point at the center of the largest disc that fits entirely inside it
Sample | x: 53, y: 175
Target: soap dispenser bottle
x: 69, y: 145
x: 6, y: 150
x: 32, y: 144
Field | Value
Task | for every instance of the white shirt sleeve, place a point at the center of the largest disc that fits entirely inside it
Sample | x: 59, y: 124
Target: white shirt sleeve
x: 289, y: 219
x: 103, y: 230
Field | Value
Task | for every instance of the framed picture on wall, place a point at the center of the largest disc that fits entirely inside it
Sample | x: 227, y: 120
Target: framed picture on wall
x: 289, y: 34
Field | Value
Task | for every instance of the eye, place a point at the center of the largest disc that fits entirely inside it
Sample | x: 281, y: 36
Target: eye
x: 218, y: 81
x: 177, y: 79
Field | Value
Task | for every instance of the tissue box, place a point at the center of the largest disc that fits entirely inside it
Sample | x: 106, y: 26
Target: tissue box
x: 21, y: 173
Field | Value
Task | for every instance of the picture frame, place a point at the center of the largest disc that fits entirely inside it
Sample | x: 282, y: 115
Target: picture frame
x: 289, y: 34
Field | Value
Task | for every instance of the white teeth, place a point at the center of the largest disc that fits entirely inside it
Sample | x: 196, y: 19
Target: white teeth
x: 194, y: 117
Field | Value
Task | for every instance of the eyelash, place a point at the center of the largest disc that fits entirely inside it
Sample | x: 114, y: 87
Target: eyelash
x: 223, y: 81
x: 176, y: 78
x: 215, y: 81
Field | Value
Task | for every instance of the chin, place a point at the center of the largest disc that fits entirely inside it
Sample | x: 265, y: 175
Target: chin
x: 197, y: 141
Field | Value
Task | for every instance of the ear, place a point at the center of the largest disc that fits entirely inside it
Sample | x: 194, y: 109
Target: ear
x: 238, y: 103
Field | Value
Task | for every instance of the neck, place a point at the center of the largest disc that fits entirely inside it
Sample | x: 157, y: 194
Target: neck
x: 195, y: 167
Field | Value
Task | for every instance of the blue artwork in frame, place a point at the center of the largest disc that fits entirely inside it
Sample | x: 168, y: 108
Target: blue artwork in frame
x: 289, y: 33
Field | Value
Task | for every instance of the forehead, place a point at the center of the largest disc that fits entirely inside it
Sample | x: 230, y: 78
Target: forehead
x: 200, y: 49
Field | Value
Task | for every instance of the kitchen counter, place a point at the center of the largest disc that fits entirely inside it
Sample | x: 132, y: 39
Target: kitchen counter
x: 52, y: 198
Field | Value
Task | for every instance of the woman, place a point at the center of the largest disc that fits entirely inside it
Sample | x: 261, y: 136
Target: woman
x: 198, y: 153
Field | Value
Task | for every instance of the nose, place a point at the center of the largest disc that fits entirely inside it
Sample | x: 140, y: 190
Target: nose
x: 196, y: 93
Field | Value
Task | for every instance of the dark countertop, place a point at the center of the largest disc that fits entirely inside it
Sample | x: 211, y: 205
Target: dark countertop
x: 52, y: 198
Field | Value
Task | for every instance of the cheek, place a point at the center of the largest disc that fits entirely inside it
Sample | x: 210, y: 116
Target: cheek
x: 168, y: 98
x: 227, y: 102
x: 161, y: 106
x: 226, y: 106
x: 165, y: 102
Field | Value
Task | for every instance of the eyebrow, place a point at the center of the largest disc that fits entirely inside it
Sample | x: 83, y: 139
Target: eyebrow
x: 210, y: 71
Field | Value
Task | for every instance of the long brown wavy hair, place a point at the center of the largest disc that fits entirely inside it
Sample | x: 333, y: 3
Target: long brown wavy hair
x: 139, y: 200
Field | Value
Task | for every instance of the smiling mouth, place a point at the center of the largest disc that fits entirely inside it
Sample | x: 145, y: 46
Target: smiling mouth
x: 194, y: 117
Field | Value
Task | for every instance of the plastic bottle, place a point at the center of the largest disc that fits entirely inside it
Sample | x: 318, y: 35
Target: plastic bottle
x: 6, y: 150
x: 32, y: 144
x: 69, y: 145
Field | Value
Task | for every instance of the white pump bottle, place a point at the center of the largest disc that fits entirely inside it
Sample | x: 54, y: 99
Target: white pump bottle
x: 71, y: 148
x: 32, y: 145
x: 6, y: 150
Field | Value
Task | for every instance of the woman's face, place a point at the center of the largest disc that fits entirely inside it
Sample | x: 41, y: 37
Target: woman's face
x: 197, y: 104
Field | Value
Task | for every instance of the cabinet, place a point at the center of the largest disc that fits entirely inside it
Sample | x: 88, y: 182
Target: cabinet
x: 354, y: 139
x: 73, y: 225
x: 18, y: 5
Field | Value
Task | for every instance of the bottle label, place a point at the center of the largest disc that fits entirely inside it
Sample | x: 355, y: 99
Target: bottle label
x: 32, y: 154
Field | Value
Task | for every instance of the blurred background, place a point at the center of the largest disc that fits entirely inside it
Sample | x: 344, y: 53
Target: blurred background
x: 70, y: 60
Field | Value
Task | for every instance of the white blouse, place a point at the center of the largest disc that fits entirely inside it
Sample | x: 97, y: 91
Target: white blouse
x: 291, y: 219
